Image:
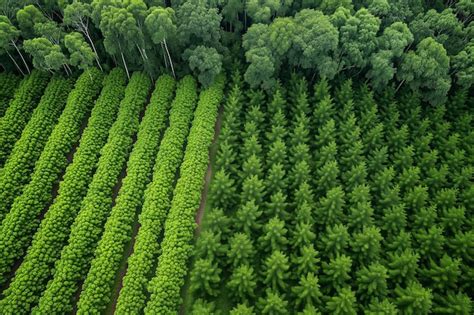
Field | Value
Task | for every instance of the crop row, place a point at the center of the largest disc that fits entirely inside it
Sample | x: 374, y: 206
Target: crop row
x: 37, y: 267
x: 97, y: 288
x: 158, y: 195
x: 88, y: 226
x: 19, y: 111
x: 165, y: 287
x: 8, y: 85
x: 22, y: 221
x: 20, y: 164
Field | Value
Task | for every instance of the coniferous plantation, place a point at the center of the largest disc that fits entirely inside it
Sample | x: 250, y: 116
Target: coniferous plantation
x: 237, y: 157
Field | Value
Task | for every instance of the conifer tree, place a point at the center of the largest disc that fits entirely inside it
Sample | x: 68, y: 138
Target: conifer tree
x: 277, y: 206
x: 336, y: 273
x: 394, y: 220
x: 273, y: 303
x: 403, y: 266
x: 276, y: 179
x: 307, y: 291
x: 372, y: 282
x: 276, y: 267
x: 452, y: 303
x: 252, y: 190
x: 217, y: 222
x: 201, y: 306
x: 242, y: 283
x: 306, y: 260
x: 329, y: 210
x: 242, y: 309
x: 444, y: 275
x: 226, y: 157
x: 246, y: 218
x: 366, y: 245
x: 205, y: 278
x: 343, y: 303
x: 335, y: 240
x: 430, y: 241
x: 241, y: 250
x: 381, y: 307
x: 399, y: 243
x: 273, y: 237
x: 223, y: 192
x: 302, y: 235
x: 414, y: 299
x: 209, y: 245
x: 252, y: 166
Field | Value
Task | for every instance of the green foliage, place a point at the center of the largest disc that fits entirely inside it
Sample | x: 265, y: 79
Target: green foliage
x: 443, y: 276
x: 22, y: 221
x: 335, y: 240
x: 247, y: 217
x: 242, y: 309
x: 336, y: 272
x: 31, y: 277
x: 81, y: 54
x: 241, y: 250
x: 329, y: 210
x: 307, y: 260
x: 358, y: 38
x: 343, y: 303
x: 366, y: 245
x: 414, y: 299
x: 273, y: 303
x: 427, y: 70
x: 307, y: 291
x: 403, y: 266
x: 17, y: 171
x: 205, y: 62
x: 9, y: 82
x: 97, y: 288
x: 276, y: 270
x: 383, y: 307
x: 165, y: 287
x: 88, y: 226
x: 46, y: 55
x: 274, y: 236
x: 205, y: 277
x: 372, y: 282
x: 242, y: 282
x: 19, y: 113
x: 157, y: 201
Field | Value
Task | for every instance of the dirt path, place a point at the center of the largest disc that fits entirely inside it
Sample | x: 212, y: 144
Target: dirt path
x: 212, y: 154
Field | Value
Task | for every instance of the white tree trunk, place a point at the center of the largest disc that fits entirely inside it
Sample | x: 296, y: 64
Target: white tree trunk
x: 96, y: 55
x: 169, y: 57
x: 21, y: 56
x: 14, y: 61
x: 125, y: 65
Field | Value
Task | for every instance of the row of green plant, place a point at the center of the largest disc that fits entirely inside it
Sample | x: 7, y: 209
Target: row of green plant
x: 97, y: 289
x: 22, y: 221
x: 38, y: 265
x: 142, y: 261
x: 349, y: 205
x: 17, y: 171
x: 71, y: 269
x: 19, y: 111
x: 180, y: 223
x: 9, y: 82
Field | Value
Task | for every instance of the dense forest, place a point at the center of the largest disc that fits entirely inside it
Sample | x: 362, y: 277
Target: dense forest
x: 237, y: 157
x: 424, y: 45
